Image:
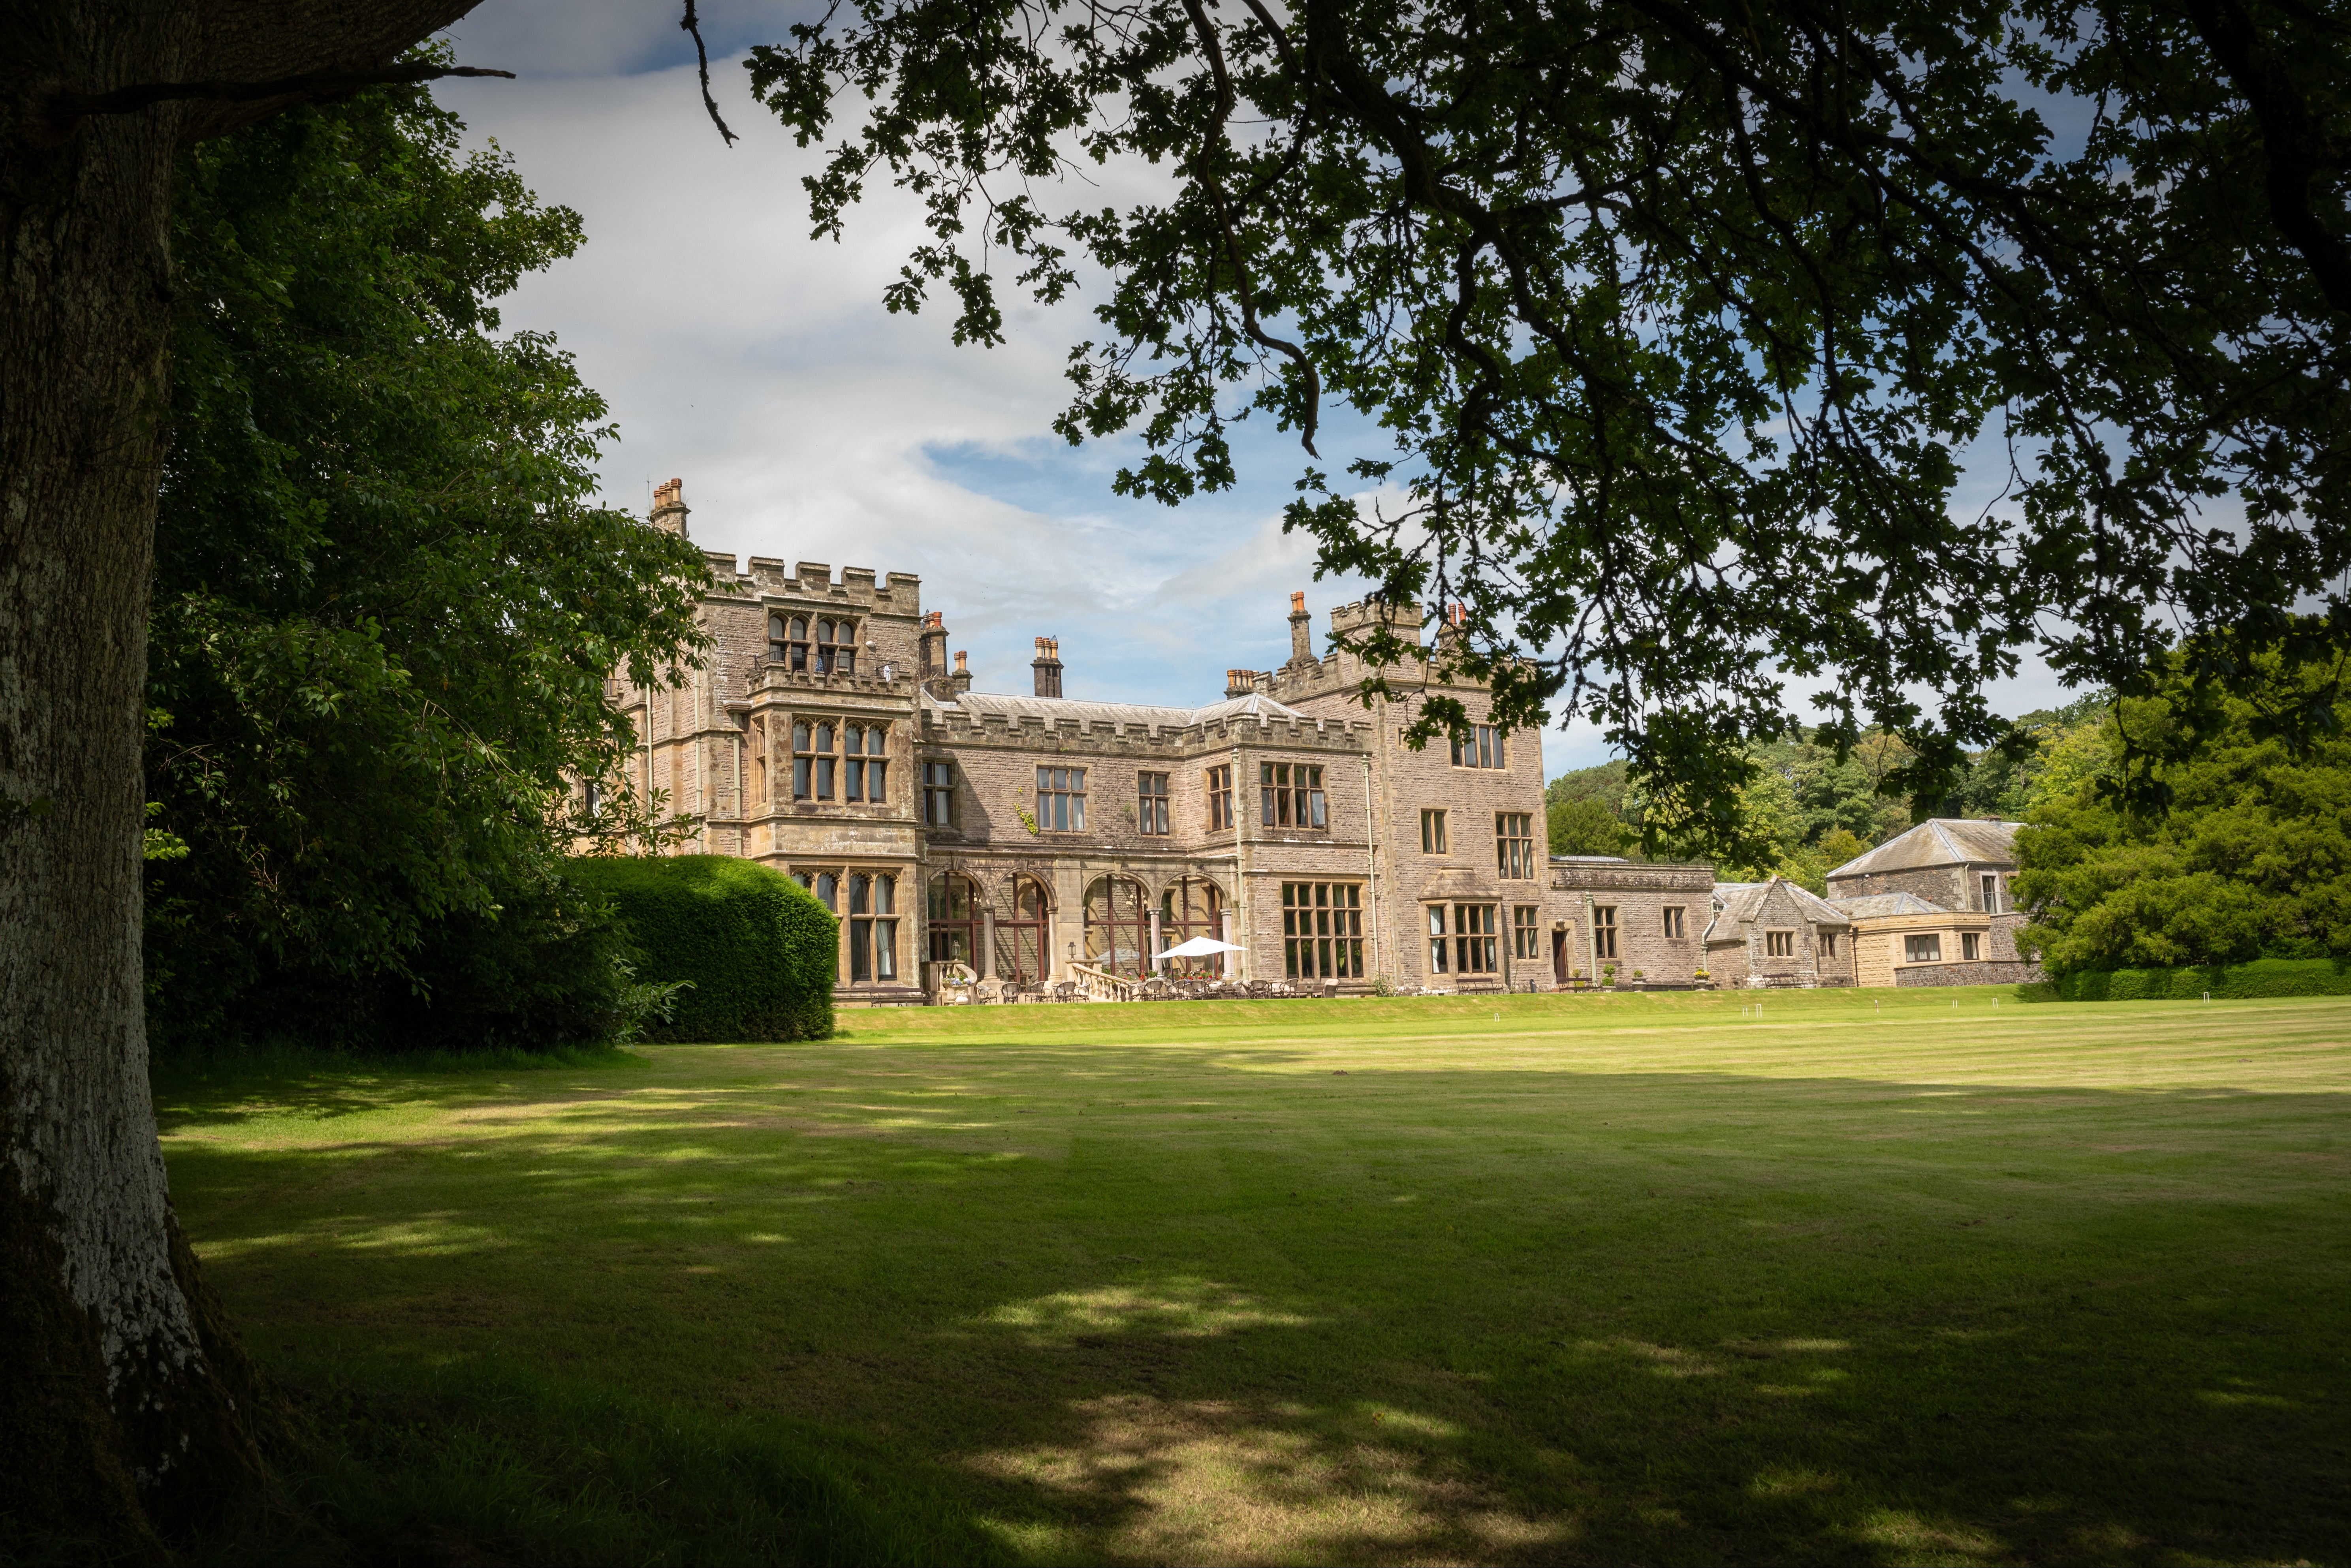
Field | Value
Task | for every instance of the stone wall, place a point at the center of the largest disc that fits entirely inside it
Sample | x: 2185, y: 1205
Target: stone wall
x: 1986, y: 973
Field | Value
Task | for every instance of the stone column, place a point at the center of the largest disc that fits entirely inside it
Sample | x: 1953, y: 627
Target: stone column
x: 984, y: 960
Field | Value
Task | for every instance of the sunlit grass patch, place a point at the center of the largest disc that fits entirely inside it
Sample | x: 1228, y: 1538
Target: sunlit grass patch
x: 1607, y: 1280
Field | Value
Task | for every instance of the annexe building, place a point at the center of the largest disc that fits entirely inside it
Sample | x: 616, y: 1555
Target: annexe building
x: 1036, y: 837
x: 1932, y: 906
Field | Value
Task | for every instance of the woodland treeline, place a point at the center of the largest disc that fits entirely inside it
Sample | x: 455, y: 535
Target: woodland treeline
x: 2246, y: 856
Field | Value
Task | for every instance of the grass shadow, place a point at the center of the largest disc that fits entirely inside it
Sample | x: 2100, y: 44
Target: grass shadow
x: 1156, y: 1303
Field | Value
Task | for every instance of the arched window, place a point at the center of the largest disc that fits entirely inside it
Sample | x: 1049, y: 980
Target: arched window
x: 1020, y: 930
x: 1192, y: 907
x: 787, y: 641
x: 952, y: 917
x: 836, y: 647
x: 1118, y: 926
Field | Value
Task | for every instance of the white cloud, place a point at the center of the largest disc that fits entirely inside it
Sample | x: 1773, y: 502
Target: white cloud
x: 810, y: 423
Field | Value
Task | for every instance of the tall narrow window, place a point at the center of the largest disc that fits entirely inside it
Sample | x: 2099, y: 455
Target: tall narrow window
x: 828, y: 893
x: 1292, y: 795
x: 803, y: 762
x: 938, y: 794
x: 1323, y: 930
x: 885, y: 927
x: 953, y: 920
x: 1221, y: 797
x: 862, y: 764
x: 1828, y: 944
x: 1432, y: 834
x: 1437, y: 949
x: 756, y: 744
x: 1474, y: 945
x: 811, y: 744
x: 1970, y: 946
x: 1604, y: 931
x: 1526, y: 940
x: 1481, y: 748
x: 1151, y: 802
x: 787, y: 639
x: 1674, y: 927
x: 1061, y: 799
x: 1992, y: 895
x: 1514, y: 845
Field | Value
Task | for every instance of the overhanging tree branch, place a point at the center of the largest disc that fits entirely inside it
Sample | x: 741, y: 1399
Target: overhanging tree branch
x: 70, y: 106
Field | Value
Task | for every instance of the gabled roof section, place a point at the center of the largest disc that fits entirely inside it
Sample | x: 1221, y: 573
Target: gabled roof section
x: 1744, y: 900
x: 1938, y: 841
x: 1882, y: 903
x: 1255, y: 705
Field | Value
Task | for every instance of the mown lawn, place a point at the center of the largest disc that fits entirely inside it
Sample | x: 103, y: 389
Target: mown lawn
x: 1640, y: 1279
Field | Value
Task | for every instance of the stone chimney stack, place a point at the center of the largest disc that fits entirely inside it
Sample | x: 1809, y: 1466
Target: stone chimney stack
x: 1047, y: 665
x: 933, y: 664
x: 960, y: 681
x: 934, y: 644
x: 1301, y: 631
x: 669, y: 507
x: 1239, y: 683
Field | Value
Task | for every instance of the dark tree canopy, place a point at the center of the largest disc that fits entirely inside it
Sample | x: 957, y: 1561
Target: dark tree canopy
x: 1693, y: 340
x: 386, y: 601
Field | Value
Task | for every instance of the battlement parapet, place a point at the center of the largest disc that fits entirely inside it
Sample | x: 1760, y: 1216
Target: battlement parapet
x: 1402, y: 617
x: 772, y: 678
x: 900, y: 592
x: 949, y: 726
x: 1575, y: 877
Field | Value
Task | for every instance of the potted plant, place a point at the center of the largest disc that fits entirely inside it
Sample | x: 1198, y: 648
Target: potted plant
x: 1640, y: 980
x: 1608, y: 975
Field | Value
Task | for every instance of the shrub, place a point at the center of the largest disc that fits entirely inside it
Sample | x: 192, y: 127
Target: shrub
x: 2261, y: 978
x: 757, y: 947
x: 548, y: 969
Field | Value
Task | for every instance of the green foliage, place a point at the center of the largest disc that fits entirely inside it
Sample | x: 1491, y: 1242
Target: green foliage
x: 1669, y: 329
x: 2239, y: 982
x: 757, y: 949
x: 1588, y: 826
x: 385, y: 603
x: 2252, y: 860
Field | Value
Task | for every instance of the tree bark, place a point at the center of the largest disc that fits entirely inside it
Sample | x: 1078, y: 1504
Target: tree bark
x: 128, y: 1404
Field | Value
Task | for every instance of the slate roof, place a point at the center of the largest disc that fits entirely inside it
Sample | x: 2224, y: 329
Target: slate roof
x: 1939, y: 841
x: 1879, y: 903
x: 1741, y: 901
x: 1256, y: 704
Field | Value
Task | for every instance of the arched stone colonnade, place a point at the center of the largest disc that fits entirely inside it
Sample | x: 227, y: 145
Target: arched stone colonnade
x: 1023, y: 926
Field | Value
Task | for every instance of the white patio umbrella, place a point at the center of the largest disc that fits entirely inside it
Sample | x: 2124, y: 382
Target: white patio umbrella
x: 1200, y: 947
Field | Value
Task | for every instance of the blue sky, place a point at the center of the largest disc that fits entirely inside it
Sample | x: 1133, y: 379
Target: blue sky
x: 810, y: 423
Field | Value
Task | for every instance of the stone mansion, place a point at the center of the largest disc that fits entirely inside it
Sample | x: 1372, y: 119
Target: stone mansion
x: 1034, y: 838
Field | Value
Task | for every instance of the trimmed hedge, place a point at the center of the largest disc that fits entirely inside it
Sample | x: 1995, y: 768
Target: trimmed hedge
x: 2261, y: 978
x: 758, y: 948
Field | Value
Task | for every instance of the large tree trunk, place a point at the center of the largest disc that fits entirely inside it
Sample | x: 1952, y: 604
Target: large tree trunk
x: 124, y: 1404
